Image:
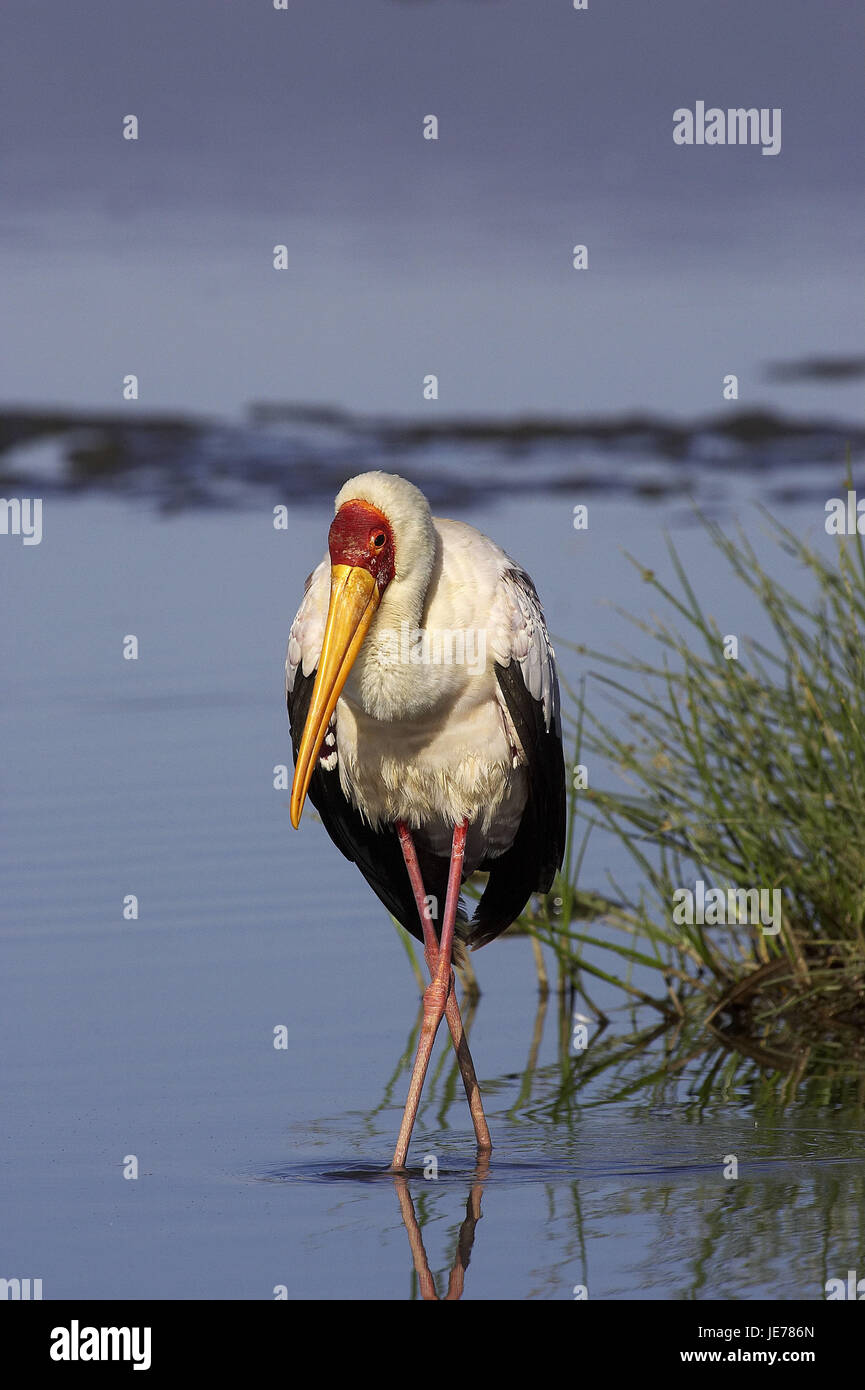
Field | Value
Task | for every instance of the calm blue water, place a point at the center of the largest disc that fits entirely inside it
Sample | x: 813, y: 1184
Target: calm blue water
x: 258, y: 1167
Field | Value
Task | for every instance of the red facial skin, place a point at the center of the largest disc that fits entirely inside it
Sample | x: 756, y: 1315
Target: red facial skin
x: 352, y: 539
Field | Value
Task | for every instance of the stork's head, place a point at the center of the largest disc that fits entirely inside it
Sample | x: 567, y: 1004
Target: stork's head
x: 382, y: 549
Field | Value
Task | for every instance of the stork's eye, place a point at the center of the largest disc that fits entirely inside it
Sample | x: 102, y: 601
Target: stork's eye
x: 377, y: 540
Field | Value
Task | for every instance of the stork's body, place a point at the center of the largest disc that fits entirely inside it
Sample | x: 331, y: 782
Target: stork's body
x: 423, y: 704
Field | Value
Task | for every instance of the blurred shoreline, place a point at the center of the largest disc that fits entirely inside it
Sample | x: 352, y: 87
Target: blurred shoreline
x: 294, y: 453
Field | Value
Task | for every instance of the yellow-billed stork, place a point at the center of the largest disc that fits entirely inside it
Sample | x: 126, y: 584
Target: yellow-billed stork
x: 424, y: 712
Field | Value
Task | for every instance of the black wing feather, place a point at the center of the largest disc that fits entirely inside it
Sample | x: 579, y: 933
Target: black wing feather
x: 530, y: 865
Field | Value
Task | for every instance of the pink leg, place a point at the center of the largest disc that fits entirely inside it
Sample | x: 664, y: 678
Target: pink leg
x: 439, y: 997
x: 452, y: 1008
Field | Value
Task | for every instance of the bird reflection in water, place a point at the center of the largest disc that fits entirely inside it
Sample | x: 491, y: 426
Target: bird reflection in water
x: 443, y: 1090
x: 465, y: 1240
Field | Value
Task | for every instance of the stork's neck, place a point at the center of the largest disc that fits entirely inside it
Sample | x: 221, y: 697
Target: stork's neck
x: 402, y: 602
x: 384, y: 681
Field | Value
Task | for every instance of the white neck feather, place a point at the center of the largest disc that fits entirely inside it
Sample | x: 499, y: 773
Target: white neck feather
x: 382, y: 682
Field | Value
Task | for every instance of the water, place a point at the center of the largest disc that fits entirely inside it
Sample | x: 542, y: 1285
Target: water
x: 152, y: 1039
x: 261, y: 1167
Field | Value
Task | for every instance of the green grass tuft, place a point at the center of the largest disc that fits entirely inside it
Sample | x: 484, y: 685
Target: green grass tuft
x: 746, y: 773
